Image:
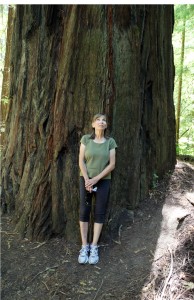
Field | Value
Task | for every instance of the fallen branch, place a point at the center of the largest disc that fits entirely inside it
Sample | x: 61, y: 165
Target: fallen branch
x: 180, y: 295
x: 119, y: 234
x: 40, y: 245
x: 157, y: 258
x: 45, y: 285
x: 9, y: 232
x: 62, y: 292
x: 98, y: 290
x: 190, y: 201
x: 169, y: 275
x: 47, y: 269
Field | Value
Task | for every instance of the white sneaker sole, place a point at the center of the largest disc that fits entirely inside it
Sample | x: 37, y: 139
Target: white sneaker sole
x: 93, y: 263
x: 82, y: 263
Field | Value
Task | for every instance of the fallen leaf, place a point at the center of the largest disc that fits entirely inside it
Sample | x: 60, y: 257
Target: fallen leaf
x: 138, y: 250
x: 188, y: 285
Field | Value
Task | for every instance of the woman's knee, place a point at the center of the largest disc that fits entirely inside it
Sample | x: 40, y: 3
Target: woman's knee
x: 84, y: 214
x: 99, y: 218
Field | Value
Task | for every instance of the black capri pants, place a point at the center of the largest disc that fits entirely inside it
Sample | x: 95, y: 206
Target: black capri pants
x: 101, y: 201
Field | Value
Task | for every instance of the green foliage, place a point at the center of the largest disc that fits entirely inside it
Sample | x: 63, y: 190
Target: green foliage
x: 5, y: 100
x: 3, y: 34
x: 185, y: 11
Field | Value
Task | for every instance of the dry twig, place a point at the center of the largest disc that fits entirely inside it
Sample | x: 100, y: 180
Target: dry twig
x: 45, y: 285
x: 119, y: 234
x: 169, y: 275
x: 47, y: 269
x: 98, y: 289
x: 11, y: 233
x: 40, y: 245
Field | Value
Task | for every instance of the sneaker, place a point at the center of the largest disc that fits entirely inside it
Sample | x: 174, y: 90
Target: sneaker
x: 93, y: 258
x: 83, y: 254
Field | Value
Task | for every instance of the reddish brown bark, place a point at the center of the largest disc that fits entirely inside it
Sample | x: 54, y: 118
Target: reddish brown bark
x: 70, y: 62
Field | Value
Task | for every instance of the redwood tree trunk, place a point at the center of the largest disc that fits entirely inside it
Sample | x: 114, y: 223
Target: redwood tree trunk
x: 68, y: 63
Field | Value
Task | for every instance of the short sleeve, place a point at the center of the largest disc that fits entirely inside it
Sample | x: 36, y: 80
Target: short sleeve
x: 84, y: 140
x: 112, y: 144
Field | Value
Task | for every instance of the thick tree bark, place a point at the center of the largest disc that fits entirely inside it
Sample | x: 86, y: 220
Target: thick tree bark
x: 68, y: 63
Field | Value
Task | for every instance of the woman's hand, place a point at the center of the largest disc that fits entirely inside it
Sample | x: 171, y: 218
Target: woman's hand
x: 89, y: 189
x: 87, y: 186
x: 90, y: 182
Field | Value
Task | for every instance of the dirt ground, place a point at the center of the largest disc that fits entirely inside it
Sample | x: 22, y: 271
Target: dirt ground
x: 151, y: 258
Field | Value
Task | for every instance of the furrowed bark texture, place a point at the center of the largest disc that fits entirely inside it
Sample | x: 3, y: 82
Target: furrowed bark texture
x: 68, y: 63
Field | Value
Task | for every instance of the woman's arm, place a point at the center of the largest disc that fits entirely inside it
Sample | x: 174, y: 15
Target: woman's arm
x: 82, y: 164
x: 83, y: 168
x: 106, y: 171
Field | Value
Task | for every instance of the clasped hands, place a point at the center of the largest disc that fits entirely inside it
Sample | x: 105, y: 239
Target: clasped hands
x: 90, y: 182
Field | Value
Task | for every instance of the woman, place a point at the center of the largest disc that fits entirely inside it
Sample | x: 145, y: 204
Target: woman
x: 96, y: 161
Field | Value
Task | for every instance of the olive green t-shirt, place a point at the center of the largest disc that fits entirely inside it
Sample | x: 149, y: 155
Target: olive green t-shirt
x: 97, y: 155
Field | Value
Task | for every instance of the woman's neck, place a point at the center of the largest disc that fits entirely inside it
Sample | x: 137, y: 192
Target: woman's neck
x: 99, y: 134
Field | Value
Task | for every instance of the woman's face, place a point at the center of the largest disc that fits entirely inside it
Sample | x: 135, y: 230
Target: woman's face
x: 100, y: 123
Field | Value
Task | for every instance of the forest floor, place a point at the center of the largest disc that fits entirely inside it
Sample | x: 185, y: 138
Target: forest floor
x: 151, y: 258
